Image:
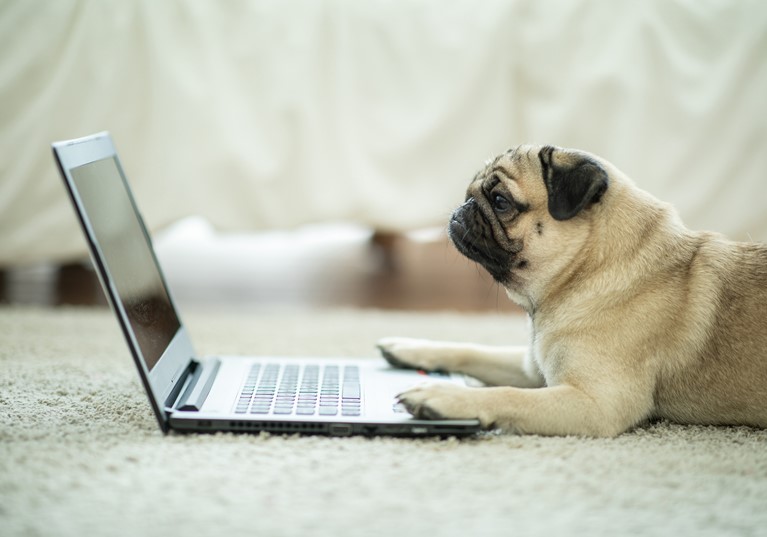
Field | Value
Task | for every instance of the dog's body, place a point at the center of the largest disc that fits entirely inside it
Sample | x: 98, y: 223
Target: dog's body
x: 632, y: 316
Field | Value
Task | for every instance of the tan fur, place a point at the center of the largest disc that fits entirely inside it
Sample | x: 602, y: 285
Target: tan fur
x: 632, y: 317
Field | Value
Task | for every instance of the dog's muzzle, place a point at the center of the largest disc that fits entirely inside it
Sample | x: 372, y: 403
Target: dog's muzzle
x: 472, y: 234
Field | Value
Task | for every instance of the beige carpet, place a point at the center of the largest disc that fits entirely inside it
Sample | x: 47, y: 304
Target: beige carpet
x: 80, y: 452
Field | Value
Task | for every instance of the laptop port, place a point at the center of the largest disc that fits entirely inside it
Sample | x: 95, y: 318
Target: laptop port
x: 340, y: 429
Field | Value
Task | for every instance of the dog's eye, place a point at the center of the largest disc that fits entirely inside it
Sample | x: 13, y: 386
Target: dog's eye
x: 501, y: 204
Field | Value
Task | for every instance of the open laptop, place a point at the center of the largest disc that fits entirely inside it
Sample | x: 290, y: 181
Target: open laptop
x: 220, y: 393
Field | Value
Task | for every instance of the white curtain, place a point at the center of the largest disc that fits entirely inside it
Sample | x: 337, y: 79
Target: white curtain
x: 271, y: 114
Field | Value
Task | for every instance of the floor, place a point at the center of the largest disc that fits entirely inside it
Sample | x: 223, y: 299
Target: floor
x: 315, y: 266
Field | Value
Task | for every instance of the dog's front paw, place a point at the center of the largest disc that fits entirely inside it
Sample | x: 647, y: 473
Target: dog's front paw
x: 410, y: 353
x: 442, y: 400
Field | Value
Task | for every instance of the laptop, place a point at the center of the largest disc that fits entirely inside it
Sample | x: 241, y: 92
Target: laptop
x: 188, y: 392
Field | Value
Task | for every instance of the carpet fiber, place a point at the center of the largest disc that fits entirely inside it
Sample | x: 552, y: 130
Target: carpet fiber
x: 81, y: 454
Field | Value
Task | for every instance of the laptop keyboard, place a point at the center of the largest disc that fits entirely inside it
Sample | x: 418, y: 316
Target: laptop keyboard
x: 301, y: 390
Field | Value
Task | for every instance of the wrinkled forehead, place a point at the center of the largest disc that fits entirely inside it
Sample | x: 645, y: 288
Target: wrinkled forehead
x: 514, y: 164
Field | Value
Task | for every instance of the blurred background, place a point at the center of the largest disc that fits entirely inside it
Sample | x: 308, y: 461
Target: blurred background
x: 303, y: 153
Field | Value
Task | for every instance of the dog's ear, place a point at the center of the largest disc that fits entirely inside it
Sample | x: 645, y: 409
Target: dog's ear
x: 573, y: 182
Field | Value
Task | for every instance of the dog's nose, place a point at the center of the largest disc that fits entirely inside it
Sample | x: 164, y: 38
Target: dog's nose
x: 470, y: 201
x: 465, y: 205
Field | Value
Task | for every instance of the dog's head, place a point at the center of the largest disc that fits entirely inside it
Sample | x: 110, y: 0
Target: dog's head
x: 528, y: 214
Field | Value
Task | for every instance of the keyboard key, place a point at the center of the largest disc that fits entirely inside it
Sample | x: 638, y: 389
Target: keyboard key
x: 351, y: 391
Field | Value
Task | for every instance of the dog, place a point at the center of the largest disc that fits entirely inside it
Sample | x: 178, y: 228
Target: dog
x: 632, y: 316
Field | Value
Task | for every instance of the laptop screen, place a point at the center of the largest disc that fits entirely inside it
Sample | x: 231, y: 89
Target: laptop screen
x: 127, y: 256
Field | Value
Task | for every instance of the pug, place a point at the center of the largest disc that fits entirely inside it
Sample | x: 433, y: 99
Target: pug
x: 632, y: 316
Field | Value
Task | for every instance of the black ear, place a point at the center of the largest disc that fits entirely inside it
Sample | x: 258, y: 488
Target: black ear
x: 573, y: 184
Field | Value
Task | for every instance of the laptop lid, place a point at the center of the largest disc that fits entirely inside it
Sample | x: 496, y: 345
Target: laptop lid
x: 122, y: 253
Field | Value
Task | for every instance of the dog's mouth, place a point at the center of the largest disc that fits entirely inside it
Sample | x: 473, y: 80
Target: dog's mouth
x: 476, y: 242
x: 464, y: 241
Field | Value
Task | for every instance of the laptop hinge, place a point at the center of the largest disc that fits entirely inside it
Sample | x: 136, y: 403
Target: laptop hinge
x: 195, y: 389
x: 184, y: 379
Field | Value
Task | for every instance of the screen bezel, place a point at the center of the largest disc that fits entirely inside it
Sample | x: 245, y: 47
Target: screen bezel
x: 174, y: 362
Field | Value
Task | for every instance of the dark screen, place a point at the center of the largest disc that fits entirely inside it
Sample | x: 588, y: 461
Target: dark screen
x: 127, y: 256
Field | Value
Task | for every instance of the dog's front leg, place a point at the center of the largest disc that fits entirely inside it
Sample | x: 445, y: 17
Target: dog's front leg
x: 558, y: 410
x: 494, y: 366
